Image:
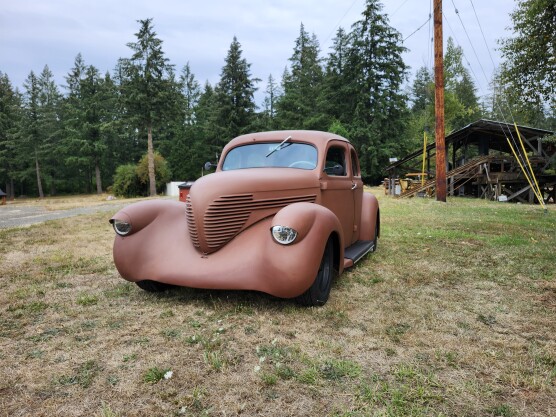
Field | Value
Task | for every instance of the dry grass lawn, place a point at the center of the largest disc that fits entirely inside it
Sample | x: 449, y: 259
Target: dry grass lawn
x: 453, y: 316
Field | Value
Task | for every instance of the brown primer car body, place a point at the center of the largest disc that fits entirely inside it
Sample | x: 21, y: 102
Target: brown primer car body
x: 221, y: 238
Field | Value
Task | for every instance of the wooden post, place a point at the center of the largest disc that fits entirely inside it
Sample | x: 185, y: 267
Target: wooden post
x: 439, y: 104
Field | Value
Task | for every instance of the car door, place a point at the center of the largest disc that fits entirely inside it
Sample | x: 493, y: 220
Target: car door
x: 337, y: 187
x: 357, y: 193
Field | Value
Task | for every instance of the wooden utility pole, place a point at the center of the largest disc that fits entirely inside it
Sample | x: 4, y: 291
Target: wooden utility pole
x: 439, y: 103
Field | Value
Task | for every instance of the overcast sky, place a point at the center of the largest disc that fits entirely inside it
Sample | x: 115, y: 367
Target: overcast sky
x: 53, y: 32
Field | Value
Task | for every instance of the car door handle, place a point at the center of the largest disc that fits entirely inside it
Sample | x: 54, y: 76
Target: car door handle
x: 354, y: 186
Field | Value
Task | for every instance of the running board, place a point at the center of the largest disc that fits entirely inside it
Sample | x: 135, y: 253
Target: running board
x: 355, y: 252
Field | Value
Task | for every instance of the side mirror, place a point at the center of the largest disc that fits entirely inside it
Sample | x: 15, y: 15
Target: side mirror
x: 209, y: 165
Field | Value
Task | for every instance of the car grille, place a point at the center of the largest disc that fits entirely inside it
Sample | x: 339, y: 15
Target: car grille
x: 227, y: 215
x: 191, y: 222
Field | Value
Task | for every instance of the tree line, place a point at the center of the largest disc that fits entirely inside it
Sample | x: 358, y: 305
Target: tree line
x: 146, y: 113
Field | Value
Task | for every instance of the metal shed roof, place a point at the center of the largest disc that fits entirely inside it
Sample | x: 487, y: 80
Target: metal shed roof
x: 474, y: 132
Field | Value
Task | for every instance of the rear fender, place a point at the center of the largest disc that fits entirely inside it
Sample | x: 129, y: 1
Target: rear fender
x: 369, y: 217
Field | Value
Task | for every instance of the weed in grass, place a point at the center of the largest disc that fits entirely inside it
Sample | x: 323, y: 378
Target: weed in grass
x: 117, y: 291
x: 274, y: 352
x: 308, y: 376
x: 250, y: 330
x: 502, y: 410
x: 46, y: 335
x: 84, y: 375
x: 166, y: 313
x: 214, y: 359
x: 154, y: 375
x: 284, y: 372
x: 33, y: 307
x: 396, y: 331
x: 195, y: 324
x: 194, y: 339
x: 170, y: 334
x: 113, y: 380
x: 488, y: 320
x: 130, y: 358
x: 337, y: 369
x: 268, y: 379
x: 85, y: 299
x: 194, y: 402
x: 35, y: 354
x: 106, y: 411
x: 141, y: 341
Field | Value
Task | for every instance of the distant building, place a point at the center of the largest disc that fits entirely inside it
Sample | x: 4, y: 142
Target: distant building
x: 482, y: 164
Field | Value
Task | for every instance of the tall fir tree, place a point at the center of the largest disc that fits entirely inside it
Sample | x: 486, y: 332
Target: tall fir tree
x: 234, y: 95
x: 336, y: 98
x: 148, y: 87
x: 10, y: 114
x: 297, y: 107
x: 51, y: 127
x: 31, y: 134
x: 378, y: 71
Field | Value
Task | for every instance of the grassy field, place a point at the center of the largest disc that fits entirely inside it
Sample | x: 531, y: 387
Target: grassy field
x: 454, y: 315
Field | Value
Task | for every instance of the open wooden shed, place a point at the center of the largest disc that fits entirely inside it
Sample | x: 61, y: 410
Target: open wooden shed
x: 480, y: 163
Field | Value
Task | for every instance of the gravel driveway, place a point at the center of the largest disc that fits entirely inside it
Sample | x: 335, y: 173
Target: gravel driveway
x: 18, y: 216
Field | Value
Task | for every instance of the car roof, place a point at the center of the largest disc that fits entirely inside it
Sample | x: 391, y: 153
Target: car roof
x: 320, y: 139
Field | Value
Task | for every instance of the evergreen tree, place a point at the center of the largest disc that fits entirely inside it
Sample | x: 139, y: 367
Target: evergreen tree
x: 378, y: 72
x: 148, y: 87
x: 235, y: 95
x: 297, y: 107
x: 528, y: 71
x: 31, y: 133
x: 81, y: 125
x: 182, y: 151
x: 458, y: 84
x: 272, y: 95
x: 191, y: 92
x: 50, y: 126
x: 10, y: 105
x: 336, y: 98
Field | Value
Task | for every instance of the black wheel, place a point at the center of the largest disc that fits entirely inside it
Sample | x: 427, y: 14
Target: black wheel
x: 153, y: 286
x: 318, y: 292
x: 375, y: 240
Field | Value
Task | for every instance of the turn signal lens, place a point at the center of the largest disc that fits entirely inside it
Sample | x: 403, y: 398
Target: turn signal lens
x: 120, y: 227
x: 283, y: 234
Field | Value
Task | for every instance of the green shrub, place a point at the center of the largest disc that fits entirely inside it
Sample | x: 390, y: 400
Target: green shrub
x: 126, y: 182
x: 161, y: 171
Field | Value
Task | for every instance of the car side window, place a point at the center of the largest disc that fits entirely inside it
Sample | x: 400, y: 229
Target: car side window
x: 335, y: 164
x: 355, y: 165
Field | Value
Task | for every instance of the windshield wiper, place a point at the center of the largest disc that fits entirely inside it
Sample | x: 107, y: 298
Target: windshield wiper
x: 281, y: 146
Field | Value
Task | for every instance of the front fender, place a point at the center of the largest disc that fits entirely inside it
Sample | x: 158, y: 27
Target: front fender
x: 315, y: 223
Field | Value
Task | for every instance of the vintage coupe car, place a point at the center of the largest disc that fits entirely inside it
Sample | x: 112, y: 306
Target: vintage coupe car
x: 283, y: 211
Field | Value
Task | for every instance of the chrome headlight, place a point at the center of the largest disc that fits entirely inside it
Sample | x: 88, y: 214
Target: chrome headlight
x: 121, y: 227
x: 283, y: 234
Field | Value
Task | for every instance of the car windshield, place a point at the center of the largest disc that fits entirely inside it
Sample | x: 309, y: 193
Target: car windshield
x: 260, y: 155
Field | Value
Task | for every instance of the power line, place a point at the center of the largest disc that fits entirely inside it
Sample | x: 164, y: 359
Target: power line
x: 469, y: 39
x: 399, y: 7
x: 340, y: 21
x: 418, y: 29
x: 483, y: 33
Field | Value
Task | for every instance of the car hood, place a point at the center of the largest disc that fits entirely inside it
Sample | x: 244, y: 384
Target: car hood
x: 221, y: 205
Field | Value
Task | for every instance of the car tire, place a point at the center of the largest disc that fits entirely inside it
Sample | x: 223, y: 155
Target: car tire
x: 318, y: 292
x: 375, y: 240
x: 153, y: 286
